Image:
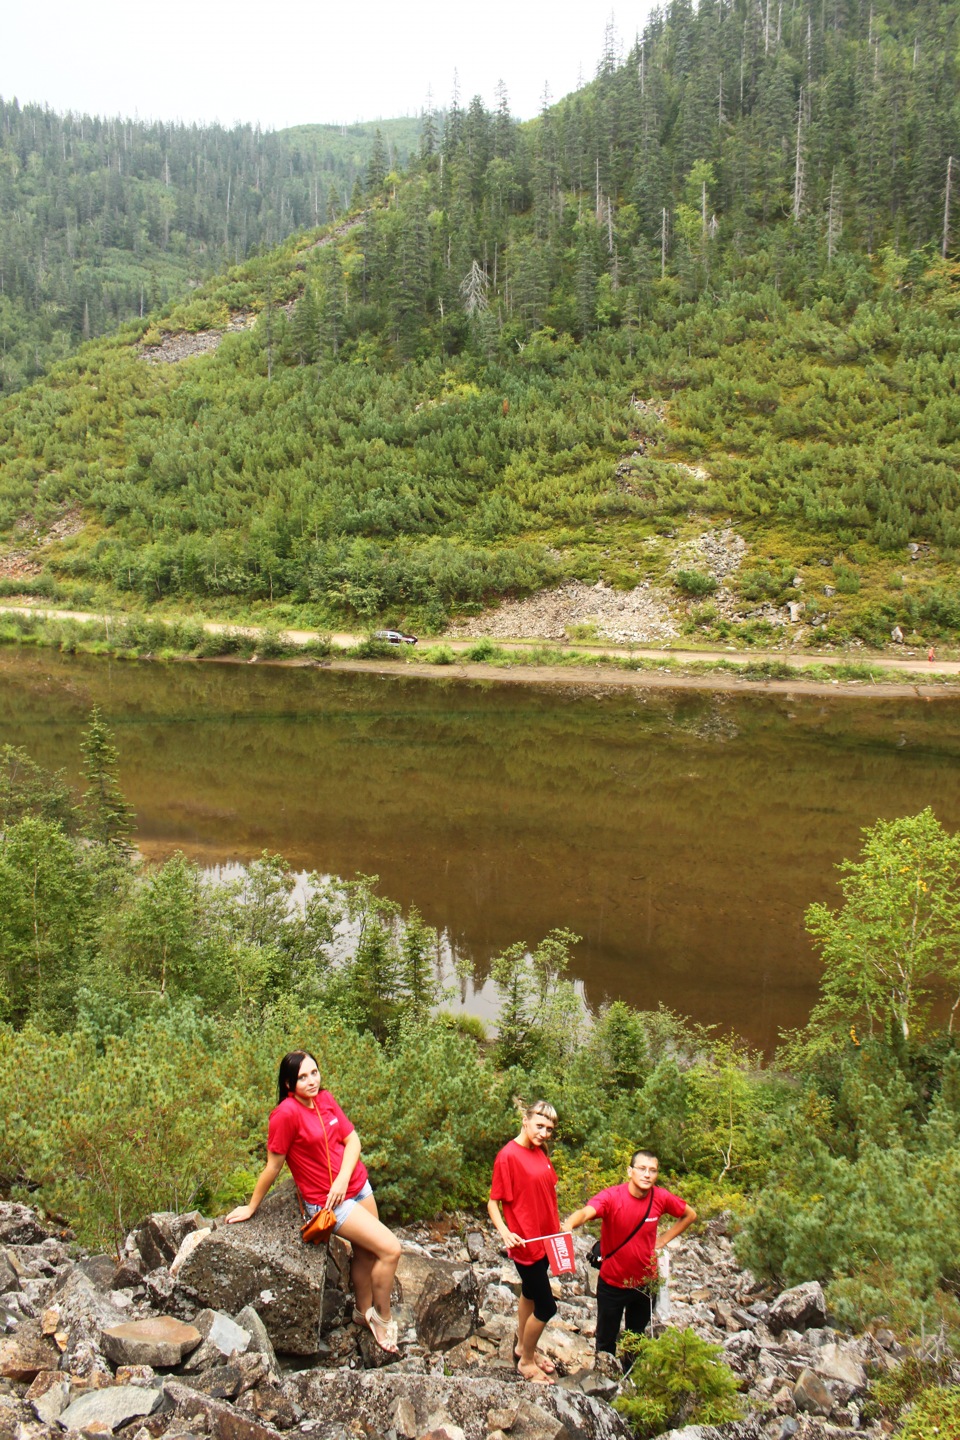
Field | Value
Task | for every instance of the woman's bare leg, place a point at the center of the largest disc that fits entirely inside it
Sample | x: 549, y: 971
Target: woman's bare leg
x: 376, y: 1255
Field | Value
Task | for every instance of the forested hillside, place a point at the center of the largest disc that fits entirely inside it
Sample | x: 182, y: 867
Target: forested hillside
x: 717, y: 285
x: 102, y: 220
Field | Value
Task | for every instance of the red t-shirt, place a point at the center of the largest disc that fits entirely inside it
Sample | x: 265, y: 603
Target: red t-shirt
x: 525, y: 1183
x: 297, y: 1132
x: 619, y: 1214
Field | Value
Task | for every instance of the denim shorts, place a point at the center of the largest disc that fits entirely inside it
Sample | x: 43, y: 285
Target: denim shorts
x: 342, y: 1211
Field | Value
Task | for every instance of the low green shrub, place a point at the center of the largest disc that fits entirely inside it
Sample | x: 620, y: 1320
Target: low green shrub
x: 694, y: 582
x: 676, y: 1380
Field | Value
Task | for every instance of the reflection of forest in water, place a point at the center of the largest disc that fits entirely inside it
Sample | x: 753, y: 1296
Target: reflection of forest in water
x: 682, y: 834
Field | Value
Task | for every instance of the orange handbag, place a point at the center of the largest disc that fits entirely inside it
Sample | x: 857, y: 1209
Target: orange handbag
x: 319, y: 1227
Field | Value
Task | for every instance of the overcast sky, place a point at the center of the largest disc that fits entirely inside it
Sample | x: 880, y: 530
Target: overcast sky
x: 299, y: 62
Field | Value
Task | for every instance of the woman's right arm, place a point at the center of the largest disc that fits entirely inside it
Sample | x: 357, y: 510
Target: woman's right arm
x: 265, y: 1179
x: 509, y: 1238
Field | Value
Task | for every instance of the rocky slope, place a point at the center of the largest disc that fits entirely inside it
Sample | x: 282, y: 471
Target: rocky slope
x: 180, y: 1337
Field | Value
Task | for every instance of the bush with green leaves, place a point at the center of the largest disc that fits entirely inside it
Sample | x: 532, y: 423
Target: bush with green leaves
x: 694, y: 582
x: 676, y: 1379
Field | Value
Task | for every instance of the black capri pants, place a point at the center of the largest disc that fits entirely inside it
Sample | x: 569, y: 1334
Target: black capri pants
x: 535, y: 1286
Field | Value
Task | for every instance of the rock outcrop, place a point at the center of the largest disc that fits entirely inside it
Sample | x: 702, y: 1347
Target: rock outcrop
x: 175, y: 1340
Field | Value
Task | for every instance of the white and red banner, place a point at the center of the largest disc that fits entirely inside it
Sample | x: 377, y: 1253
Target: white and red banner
x: 560, y: 1254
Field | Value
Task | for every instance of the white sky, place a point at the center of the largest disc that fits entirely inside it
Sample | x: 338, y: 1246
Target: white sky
x: 299, y: 62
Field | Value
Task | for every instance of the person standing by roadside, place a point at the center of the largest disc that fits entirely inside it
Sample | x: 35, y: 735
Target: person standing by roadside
x: 629, y: 1241
x: 525, y: 1185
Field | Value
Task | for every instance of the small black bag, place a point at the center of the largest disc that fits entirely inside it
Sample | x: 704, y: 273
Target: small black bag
x: 596, y: 1259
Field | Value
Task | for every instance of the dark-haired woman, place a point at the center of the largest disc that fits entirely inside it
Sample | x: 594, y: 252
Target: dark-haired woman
x: 310, y: 1132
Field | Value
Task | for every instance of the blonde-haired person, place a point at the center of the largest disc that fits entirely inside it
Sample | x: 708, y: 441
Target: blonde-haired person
x: 525, y: 1186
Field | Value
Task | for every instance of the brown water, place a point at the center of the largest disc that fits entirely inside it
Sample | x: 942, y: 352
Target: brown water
x: 682, y: 834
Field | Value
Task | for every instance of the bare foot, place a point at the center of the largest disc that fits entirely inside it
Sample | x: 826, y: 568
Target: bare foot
x: 533, y: 1373
x: 543, y: 1361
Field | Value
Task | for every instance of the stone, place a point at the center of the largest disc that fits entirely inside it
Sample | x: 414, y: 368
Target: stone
x: 219, y: 1330
x: 156, y: 1240
x: 137, y: 1375
x: 259, y: 1339
x: 812, y: 1395
x: 99, y: 1270
x: 839, y: 1362
x: 48, y: 1395
x: 445, y: 1431
x: 20, y: 1225
x: 162, y: 1341
x: 84, y: 1314
x: 222, y: 1382
x: 799, y: 1308
x: 24, y: 1354
x: 268, y: 1405
x: 188, y: 1244
x: 214, y: 1417
x: 264, y: 1263
x: 369, y: 1397
x: 403, y: 1418
x: 128, y: 1274
x: 439, y: 1298
x: 9, y: 1274
x: 110, y: 1407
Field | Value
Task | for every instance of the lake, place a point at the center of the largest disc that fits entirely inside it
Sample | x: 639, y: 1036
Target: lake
x: 681, y: 834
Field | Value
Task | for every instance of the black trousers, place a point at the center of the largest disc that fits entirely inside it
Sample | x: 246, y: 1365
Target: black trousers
x: 613, y: 1304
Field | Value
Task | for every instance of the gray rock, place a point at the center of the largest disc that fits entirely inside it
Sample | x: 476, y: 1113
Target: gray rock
x: 840, y: 1362
x: 9, y: 1273
x: 268, y: 1405
x: 156, y: 1240
x: 439, y: 1298
x: 799, y: 1308
x: 112, y: 1406
x: 99, y: 1270
x: 84, y: 1314
x: 221, y: 1382
x: 370, y: 1398
x: 812, y: 1395
x: 264, y: 1263
x: 259, y: 1339
x: 20, y: 1225
x: 161, y: 1342
x: 24, y: 1354
x: 215, y: 1417
x: 217, y: 1328
x: 49, y: 1395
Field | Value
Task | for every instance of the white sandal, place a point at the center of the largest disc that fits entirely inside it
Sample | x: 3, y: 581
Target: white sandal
x: 383, y: 1331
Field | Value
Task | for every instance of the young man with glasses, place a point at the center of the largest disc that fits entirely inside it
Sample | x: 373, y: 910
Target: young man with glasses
x: 629, y: 1213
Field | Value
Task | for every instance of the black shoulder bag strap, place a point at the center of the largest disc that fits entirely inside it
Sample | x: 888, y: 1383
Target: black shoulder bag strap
x: 639, y: 1226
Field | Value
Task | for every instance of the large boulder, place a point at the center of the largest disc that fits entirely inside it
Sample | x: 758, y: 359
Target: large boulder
x: 799, y: 1308
x: 374, y: 1399
x: 264, y: 1263
x: 438, y: 1298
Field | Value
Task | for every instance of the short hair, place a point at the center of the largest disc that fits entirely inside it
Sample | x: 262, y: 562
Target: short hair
x: 540, y: 1107
x: 289, y: 1072
x: 650, y: 1154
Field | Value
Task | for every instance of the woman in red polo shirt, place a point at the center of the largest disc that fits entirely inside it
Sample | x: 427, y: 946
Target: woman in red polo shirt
x: 310, y: 1132
x: 525, y: 1184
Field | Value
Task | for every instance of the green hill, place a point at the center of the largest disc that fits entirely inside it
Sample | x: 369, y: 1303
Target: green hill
x: 706, y: 291
x: 102, y: 220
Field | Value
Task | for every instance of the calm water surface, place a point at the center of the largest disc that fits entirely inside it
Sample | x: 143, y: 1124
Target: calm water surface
x: 681, y: 834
